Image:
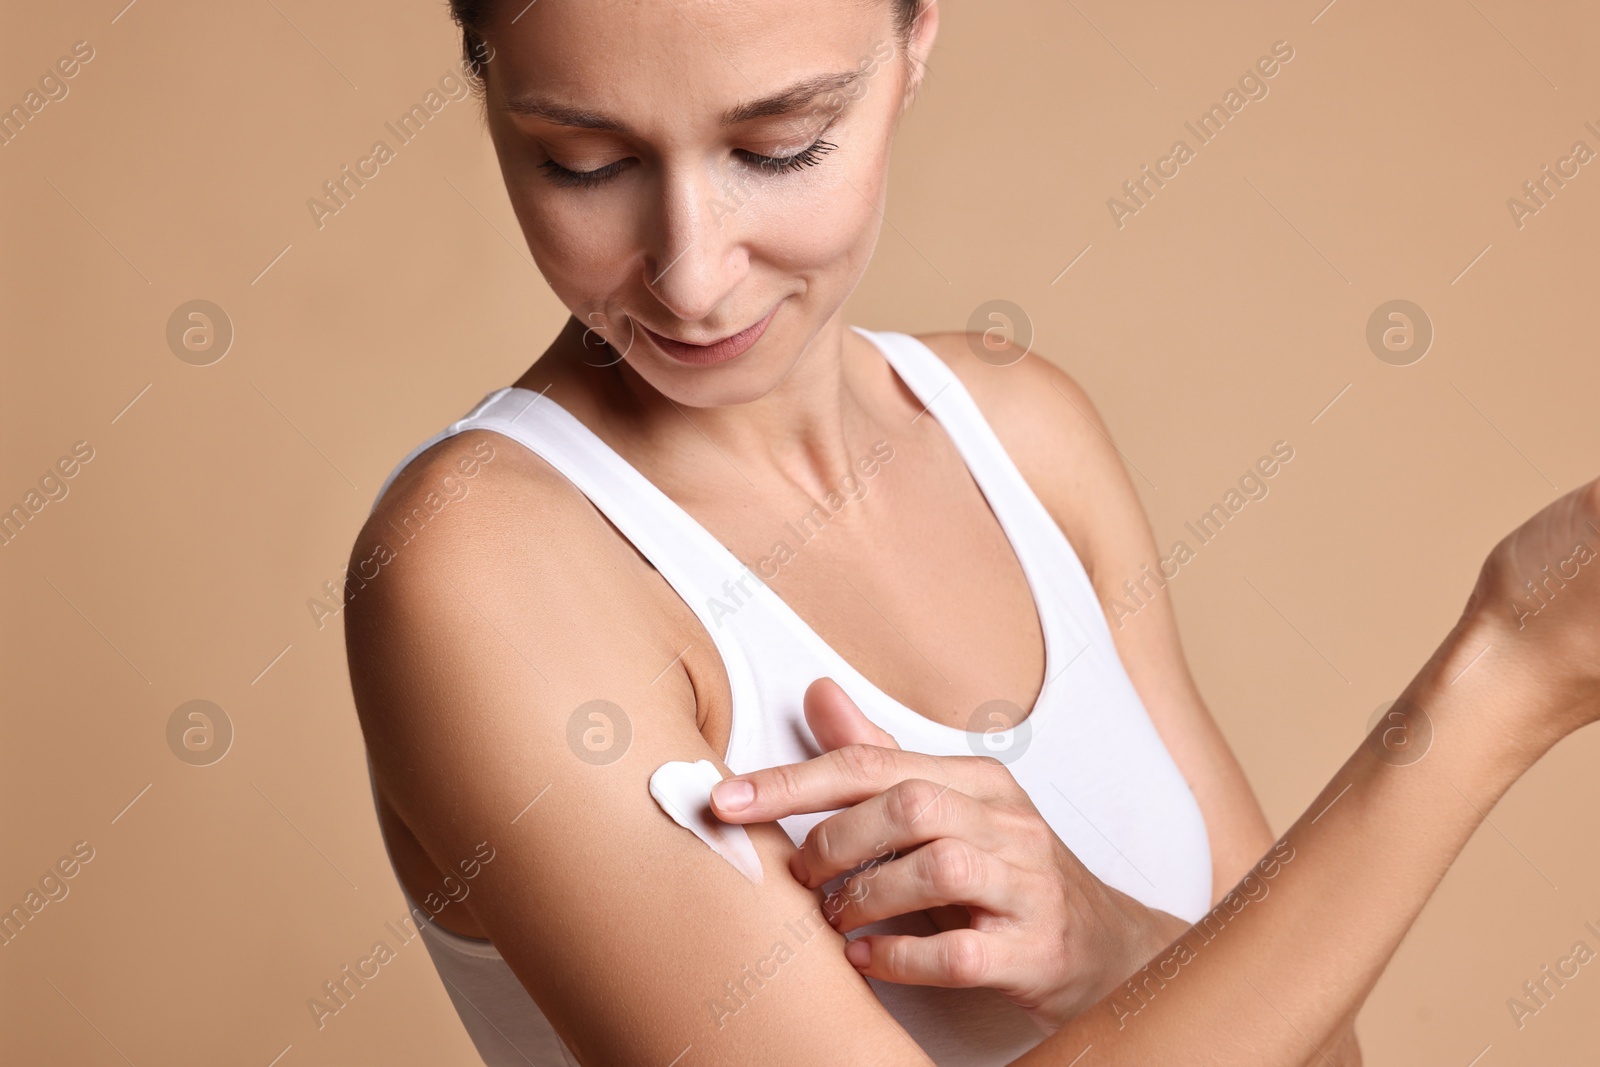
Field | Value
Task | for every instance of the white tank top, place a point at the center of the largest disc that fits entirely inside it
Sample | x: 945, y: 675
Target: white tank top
x: 1087, y: 754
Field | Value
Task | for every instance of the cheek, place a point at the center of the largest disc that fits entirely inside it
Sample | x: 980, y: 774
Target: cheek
x: 578, y: 242
x: 813, y: 226
x: 584, y: 239
x: 821, y: 221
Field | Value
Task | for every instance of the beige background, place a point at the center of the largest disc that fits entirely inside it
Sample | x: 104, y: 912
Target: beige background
x: 1226, y: 315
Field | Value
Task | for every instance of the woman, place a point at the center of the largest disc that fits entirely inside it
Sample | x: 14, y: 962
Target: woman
x: 707, y: 494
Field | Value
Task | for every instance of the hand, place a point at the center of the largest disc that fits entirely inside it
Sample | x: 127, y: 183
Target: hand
x: 1535, y: 611
x: 1017, y: 911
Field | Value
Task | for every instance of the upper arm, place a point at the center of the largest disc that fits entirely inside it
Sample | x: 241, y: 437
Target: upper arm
x: 1065, y: 451
x: 472, y: 656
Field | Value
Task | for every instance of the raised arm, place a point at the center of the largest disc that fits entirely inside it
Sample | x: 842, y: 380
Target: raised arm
x: 1272, y: 973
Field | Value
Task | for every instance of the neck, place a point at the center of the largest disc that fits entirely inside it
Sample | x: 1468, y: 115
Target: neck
x: 809, y: 429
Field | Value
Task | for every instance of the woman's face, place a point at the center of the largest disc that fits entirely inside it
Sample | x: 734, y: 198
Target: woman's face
x: 697, y: 168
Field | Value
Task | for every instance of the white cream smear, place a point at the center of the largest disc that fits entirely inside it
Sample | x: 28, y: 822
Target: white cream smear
x: 684, y: 792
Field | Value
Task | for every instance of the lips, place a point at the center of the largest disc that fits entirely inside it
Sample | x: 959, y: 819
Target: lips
x: 717, y: 352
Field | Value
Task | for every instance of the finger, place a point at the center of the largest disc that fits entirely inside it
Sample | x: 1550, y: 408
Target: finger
x: 836, y: 720
x: 849, y: 775
x: 957, y: 959
x: 896, y: 821
x: 942, y: 872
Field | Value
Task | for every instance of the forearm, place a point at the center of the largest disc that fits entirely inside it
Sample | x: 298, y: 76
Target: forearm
x: 1276, y: 972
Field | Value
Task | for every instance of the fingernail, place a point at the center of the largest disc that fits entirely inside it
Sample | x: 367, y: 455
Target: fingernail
x: 733, y: 795
x: 858, y: 953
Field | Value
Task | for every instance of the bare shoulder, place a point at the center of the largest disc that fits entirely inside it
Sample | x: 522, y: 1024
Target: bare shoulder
x: 1014, y: 383
x: 482, y: 489
x: 474, y: 509
x: 480, y: 552
x: 1051, y: 430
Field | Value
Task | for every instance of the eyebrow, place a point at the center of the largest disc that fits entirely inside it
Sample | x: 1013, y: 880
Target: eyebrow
x: 785, y: 102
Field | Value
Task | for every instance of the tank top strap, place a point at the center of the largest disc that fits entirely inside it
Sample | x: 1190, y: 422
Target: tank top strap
x: 1046, y: 556
x: 677, y: 546
x: 693, y: 562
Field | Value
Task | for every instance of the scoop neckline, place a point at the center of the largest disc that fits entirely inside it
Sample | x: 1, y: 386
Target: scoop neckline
x: 855, y: 683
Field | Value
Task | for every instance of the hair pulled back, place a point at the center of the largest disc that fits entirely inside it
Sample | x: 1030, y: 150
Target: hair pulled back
x: 473, y: 15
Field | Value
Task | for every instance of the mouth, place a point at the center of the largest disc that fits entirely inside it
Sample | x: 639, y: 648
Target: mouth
x: 715, y: 352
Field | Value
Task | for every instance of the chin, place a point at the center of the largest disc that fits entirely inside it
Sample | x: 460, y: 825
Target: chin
x: 745, y: 378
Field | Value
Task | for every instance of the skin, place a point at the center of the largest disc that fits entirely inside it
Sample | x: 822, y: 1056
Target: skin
x: 522, y: 603
x: 1022, y: 915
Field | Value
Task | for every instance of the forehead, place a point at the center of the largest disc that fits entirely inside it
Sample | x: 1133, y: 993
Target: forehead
x: 664, y: 63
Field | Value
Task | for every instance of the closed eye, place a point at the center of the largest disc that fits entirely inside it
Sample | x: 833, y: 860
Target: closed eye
x: 566, y: 178
x: 809, y: 156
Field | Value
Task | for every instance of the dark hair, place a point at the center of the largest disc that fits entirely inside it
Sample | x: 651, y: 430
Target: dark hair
x: 471, y: 15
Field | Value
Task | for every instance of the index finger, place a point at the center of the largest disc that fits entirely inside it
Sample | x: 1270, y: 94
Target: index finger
x: 843, y: 778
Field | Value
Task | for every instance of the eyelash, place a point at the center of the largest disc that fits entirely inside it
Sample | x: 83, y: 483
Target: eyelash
x: 809, y: 156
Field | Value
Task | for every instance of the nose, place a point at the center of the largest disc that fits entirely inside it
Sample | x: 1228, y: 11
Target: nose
x: 694, y: 257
